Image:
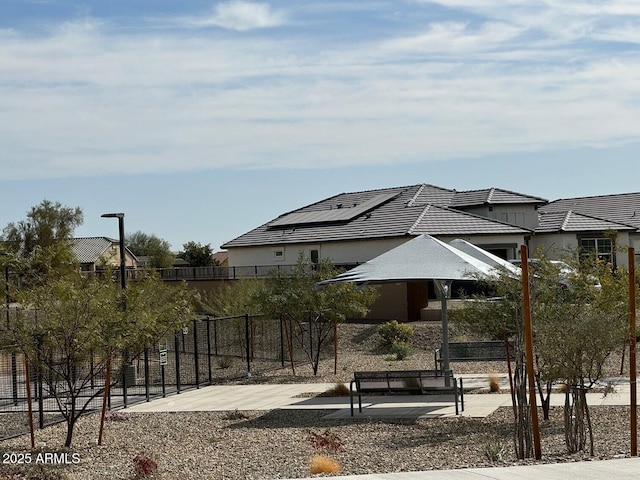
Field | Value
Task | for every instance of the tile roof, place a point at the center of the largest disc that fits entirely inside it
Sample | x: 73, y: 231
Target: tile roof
x: 406, y: 211
x: 90, y: 249
x: 492, y: 196
x: 569, y: 221
x: 437, y: 220
x: 621, y: 208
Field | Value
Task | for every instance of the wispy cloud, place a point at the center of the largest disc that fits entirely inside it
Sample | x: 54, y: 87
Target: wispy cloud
x: 476, y: 79
x: 241, y: 16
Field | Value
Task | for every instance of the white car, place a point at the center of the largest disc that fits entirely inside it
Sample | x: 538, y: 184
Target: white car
x: 566, y: 271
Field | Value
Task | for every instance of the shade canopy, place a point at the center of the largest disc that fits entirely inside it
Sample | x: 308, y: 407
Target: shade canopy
x: 422, y: 258
x: 427, y: 258
x: 486, y: 257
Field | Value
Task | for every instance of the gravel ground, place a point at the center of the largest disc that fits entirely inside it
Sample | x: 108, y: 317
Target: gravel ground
x: 277, y: 444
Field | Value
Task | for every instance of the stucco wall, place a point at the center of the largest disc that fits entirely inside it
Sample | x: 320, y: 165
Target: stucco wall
x: 345, y: 252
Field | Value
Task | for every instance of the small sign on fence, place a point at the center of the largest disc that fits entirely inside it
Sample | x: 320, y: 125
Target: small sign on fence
x: 163, y: 357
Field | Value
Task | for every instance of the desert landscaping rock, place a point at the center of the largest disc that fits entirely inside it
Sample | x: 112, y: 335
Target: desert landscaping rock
x: 271, y: 445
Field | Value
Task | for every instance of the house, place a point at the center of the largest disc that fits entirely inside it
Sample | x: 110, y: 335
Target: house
x: 221, y: 259
x: 595, y: 224
x: 354, y: 227
x: 95, y: 253
x: 351, y: 228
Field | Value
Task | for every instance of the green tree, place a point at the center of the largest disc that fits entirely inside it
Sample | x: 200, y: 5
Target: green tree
x: 237, y: 297
x: 149, y: 245
x: 38, y: 246
x: 71, y: 327
x: 577, y: 324
x: 197, y: 255
x: 577, y: 327
x: 314, y: 311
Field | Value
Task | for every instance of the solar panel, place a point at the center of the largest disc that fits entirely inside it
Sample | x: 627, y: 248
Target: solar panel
x: 334, y: 215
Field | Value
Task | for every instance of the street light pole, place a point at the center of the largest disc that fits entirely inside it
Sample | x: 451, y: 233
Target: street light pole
x: 120, y: 217
x: 123, y: 284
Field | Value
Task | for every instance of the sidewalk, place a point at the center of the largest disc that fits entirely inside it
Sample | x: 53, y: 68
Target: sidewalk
x: 623, y: 469
x: 300, y: 396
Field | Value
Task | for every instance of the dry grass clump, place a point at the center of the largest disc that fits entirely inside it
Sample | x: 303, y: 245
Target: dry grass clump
x: 494, y: 384
x: 322, y: 464
x: 338, y: 390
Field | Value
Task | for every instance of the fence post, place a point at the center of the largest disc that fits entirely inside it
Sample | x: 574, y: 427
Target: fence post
x: 196, y: 359
x: 281, y: 341
x: 215, y: 336
x: 176, y: 341
x: 209, y: 349
x: 124, y: 380
x: 162, y: 379
x: 247, y: 340
x: 146, y: 374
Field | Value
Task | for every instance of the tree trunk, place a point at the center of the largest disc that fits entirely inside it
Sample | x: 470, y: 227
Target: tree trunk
x: 577, y: 419
x: 71, y: 423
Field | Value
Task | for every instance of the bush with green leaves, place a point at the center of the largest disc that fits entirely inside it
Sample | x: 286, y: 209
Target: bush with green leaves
x: 393, y: 332
x: 401, y: 350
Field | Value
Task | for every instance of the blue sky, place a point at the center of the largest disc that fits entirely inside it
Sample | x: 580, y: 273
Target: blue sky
x: 202, y: 120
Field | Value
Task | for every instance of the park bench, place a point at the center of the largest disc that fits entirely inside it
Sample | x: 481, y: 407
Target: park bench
x: 489, y: 350
x: 414, y: 382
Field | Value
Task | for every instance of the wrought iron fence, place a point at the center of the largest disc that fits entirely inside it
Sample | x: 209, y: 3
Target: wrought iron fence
x: 210, y: 350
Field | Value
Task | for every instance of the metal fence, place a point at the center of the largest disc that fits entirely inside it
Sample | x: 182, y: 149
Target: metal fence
x: 208, y: 351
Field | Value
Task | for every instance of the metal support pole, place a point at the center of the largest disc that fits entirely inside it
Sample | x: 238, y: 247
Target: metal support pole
x: 147, y: 392
x: 176, y: 342
x: 444, y: 287
x: 196, y: 359
x: 209, y: 366
x: 125, y: 399
x: 247, y: 340
x: 282, y: 341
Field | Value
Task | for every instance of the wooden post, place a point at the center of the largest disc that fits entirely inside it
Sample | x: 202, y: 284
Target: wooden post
x: 528, y: 342
x: 632, y: 352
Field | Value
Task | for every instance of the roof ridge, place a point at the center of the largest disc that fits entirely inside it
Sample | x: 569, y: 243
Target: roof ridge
x: 419, y: 218
x: 416, y: 195
x: 595, y: 196
x: 565, y: 220
x: 493, y: 190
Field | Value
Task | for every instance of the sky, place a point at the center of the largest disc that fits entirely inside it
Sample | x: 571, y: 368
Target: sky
x: 202, y: 120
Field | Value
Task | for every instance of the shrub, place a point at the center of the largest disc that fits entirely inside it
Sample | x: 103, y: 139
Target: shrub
x: 392, y: 332
x: 326, y: 440
x: 401, y: 350
x: 112, y: 416
x: 235, y: 415
x: 322, y: 464
x: 493, y: 448
x: 225, y: 362
x: 144, y: 466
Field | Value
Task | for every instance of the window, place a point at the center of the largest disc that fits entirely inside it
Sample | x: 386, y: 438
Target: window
x: 314, y: 255
x: 601, y: 248
x: 278, y: 254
